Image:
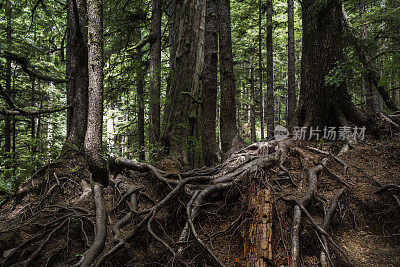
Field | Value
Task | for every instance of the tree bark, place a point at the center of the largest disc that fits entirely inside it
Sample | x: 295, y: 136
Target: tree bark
x: 210, y: 85
x: 253, y: 135
x: 270, y: 72
x: 228, y: 128
x: 93, y: 140
x: 155, y: 75
x: 367, y: 84
x: 7, y: 119
x: 323, y: 104
x: 260, y: 69
x: 33, y: 119
x: 140, y: 97
x: 77, y: 73
x: 291, y: 65
x: 258, y: 237
x: 181, y: 93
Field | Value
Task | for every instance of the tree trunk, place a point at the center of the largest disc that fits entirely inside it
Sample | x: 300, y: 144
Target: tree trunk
x: 270, y: 72
x: 210, y: 85
x: 181, y: 92
x: 253, y: 135
x: 77, y: 73
x: 260, y: 69
x: 7, y: 119
x: 93, y: 140
x: 279, y: 102
x: 291, y: 65
x: 227, y: 80
x: 33, y: 119
x: 140, y: 97
x: 323, y: 104
x: 367, y: 84
x: 155, y: 75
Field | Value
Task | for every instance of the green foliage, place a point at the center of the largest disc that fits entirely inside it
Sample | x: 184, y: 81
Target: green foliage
x: 36, y: 34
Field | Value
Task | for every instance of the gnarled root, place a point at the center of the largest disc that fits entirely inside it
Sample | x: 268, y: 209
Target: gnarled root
x: 101, y: 228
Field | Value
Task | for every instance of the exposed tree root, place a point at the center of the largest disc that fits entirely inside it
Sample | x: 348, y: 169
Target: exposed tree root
x: 306, y: 198
x: 101, y: 228
x: 327, y: 220
x: 147, y: 200
x: 391, y: 188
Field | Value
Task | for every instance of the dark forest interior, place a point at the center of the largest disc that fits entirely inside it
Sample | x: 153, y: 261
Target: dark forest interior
x: 199, y: 133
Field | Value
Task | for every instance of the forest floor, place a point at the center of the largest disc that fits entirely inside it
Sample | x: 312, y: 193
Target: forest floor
x: 374, y: 237
x: 50, y: 221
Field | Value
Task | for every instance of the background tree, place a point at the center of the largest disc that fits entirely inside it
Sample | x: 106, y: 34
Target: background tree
x: 140, y: 102
x: 155, y: 73
x: 228, y: 128
x: 253, y: 136
x: 270, y: 72
x: 93, y: 139
x: 291, y: 64
x: 182, y: 93
x: 260, y: 68
x: 77, y: 72
x: 210, y: 85
x: 7, y: 119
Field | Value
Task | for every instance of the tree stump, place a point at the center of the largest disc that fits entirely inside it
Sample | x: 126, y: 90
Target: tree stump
x: 258, y: 236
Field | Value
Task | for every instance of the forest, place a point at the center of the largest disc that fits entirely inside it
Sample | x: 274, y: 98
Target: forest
x: 199, y: 133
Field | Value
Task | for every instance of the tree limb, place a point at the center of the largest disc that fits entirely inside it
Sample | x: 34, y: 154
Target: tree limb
x: 15, y: 110
x: 147, y: 39
x: 26, y: 66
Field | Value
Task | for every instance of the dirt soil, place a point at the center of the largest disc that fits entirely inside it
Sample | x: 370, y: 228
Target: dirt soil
x: 373, y: 237
x: 366, y: 224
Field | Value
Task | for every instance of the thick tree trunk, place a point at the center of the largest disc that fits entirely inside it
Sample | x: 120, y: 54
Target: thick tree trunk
x: 228, y: 128
x: 181, y: 92
x: 77, y: 73
x: 270, y: 72
x: 323, y: 104
x: 210, y: 85
x: 260, y: 69
x: 155, y: 75
x: 291, y: 103
x: 195, y: 154
x: 93, y: 140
